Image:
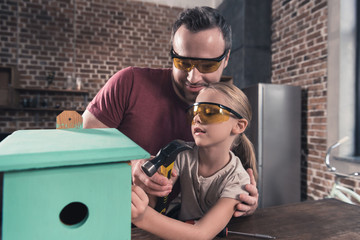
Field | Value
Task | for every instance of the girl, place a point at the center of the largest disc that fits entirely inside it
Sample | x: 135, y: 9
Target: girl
x: 210, y: 174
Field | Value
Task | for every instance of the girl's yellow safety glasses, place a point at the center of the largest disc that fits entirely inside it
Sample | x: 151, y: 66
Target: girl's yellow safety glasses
x: 211, y: 112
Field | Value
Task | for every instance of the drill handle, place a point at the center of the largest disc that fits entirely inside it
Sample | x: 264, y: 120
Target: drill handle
x: 166, y: 171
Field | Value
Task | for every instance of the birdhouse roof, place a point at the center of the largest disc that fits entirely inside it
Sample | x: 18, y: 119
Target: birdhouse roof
x: 34, y: 149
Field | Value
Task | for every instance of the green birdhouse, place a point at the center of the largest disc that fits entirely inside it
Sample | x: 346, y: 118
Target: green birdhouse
x: 67, y: 184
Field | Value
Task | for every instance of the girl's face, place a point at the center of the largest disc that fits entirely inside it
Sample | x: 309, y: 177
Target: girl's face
x: 211, y: 134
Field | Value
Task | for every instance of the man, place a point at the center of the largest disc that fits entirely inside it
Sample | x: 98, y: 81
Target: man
x: 149, y: 105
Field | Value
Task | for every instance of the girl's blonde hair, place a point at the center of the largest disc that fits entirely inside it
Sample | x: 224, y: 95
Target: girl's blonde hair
x: 237, y: 100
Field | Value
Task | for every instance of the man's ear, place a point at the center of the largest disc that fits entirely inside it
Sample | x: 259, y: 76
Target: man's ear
x: 240, y: 126
x: 227, y: 59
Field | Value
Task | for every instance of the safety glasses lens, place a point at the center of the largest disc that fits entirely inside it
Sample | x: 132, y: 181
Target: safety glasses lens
x: 208, y: 114
x: 183, y: 64
x: 203, y: 66
x: 207, y: 66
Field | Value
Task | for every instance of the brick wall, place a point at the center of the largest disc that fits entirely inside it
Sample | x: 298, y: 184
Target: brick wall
x: 79, y: 38
x: 299, y: 57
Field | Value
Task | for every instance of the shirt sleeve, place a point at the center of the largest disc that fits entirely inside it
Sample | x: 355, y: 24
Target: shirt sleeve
x: 236, y: 185
x: 110, y: 103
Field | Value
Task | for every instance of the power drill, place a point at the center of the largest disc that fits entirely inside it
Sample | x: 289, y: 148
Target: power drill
x: 165, y: 161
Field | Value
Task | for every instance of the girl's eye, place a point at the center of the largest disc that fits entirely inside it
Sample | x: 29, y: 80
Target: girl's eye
x: 210, y: 111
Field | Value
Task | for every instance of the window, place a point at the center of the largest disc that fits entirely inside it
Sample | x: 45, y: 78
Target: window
x: 343, y: 94
x: 357, y: 84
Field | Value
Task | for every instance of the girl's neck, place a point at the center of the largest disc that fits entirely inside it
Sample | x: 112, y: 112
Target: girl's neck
x: 212, y: 159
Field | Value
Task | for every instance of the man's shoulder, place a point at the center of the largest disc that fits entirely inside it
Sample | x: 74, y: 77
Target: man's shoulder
x: 137, y: 75
x: 141, y: 74
x: 149, y: 71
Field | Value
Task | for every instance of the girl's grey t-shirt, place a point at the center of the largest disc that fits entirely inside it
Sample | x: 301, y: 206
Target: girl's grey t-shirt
x: 199, y: 194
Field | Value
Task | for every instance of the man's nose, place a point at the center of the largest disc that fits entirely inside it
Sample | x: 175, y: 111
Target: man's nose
x: 194, y: 76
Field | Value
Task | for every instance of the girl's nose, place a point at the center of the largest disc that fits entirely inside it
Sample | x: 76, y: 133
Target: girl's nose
x: 196, y: 119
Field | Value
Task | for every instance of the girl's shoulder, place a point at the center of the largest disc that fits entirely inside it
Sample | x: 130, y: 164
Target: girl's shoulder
x: 189, y: 153
x: 187, y: 157
x: 237, y: 164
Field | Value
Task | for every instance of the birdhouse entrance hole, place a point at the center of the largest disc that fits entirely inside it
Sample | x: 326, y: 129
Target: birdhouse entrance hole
x: 74, y: 214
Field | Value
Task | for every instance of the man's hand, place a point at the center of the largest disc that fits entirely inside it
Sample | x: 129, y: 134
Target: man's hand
x: 157, y: 185
x: 248, y: 203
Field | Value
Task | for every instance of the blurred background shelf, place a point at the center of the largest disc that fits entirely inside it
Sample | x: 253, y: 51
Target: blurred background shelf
x: 80, y: 110
x: 51, y: 90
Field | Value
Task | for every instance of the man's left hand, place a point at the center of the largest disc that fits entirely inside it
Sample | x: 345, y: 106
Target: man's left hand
x: 248, y: 203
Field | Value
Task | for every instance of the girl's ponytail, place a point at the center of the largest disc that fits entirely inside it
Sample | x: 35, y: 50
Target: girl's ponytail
x: 244, y: 149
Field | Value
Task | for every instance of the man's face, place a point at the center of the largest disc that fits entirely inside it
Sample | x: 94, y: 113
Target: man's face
x: 204, y: 44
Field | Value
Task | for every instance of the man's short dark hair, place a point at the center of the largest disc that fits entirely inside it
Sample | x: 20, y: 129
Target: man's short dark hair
x: 203, y: 18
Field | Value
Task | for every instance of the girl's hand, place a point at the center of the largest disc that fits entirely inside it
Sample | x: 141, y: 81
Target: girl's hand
x: 139, y: 203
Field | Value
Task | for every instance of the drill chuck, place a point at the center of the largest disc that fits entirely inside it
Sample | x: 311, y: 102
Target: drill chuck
x: 149, y: 168
x: 165, y: 157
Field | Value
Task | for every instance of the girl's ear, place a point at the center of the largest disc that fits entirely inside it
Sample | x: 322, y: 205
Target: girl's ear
x: 240, y: 126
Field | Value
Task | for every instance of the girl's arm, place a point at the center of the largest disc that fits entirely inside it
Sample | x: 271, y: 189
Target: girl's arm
x: 167, y: 228
x: 139, y: 203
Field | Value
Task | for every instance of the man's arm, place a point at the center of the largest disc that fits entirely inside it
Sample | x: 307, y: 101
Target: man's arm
x: 248, y: 203
x: 90, y: 121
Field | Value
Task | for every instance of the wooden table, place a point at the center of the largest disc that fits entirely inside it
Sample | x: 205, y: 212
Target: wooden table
x: 328, y: 219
